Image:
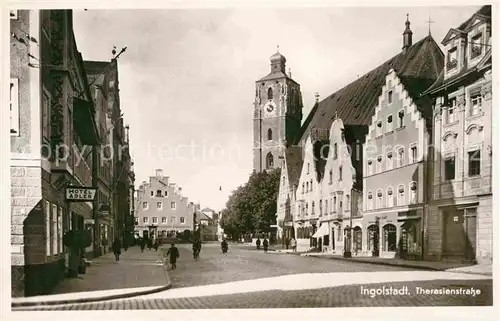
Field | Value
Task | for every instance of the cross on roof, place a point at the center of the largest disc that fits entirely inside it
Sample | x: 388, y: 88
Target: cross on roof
x: 278, y: 48
x: 429, y: 22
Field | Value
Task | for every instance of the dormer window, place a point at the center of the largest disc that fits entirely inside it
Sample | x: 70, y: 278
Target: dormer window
x: 475, y: 46
x: 451, y: 58
x: 159, y: 193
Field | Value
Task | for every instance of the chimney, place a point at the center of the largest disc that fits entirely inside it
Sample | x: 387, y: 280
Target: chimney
x: 159, y: 172
x: 407, y: 35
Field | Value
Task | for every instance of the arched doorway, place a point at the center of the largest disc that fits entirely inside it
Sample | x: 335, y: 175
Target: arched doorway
x: 357, y: 240
x: 389, y: 240
x: 373, y: 239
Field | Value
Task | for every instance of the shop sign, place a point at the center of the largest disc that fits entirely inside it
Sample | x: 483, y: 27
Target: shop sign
x: 80, y: 194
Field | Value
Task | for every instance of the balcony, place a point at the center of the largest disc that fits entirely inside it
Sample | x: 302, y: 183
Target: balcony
x: 475, y: 51
x: 451, y: 64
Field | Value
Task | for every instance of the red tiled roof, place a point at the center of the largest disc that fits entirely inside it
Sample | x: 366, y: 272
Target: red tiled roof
x: 355, y: 103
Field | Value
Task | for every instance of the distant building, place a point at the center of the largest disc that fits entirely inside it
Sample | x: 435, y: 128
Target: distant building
x: 460, y: 226
x: 209, y: 220
x: 161, y: 210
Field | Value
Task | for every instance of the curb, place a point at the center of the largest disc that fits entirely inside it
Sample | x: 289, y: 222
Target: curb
x: 167, y: 286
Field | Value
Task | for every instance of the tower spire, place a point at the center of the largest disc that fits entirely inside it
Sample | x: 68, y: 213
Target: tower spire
x: 407, y: 34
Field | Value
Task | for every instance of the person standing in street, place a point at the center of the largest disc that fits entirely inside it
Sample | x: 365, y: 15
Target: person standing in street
x: 173, y: 252
x: 117, y: 249
x: 265, y: 244
x: 142, y: 244
x: 258, y: 243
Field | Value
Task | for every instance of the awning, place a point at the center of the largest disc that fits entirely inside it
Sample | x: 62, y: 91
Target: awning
x: 322, y: 231
x: 84, y: 121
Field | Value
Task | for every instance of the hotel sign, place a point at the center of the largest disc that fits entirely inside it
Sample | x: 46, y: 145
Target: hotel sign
x: 80, y: 194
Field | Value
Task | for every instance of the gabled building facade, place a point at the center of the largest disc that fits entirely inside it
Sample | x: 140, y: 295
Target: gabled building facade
x: 161, y: 210
x: 460, y: 223
x: 396, y: 174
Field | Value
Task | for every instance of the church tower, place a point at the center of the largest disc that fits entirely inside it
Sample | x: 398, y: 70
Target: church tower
x: 277, y: 115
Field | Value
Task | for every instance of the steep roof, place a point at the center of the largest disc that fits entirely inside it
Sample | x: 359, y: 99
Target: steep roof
x: 294, y: 163
x: 355, y: 103
x: 204, y: 217
x: 484, y: 11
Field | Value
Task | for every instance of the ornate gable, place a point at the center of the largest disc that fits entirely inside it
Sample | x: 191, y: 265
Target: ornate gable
x: 452, y: 34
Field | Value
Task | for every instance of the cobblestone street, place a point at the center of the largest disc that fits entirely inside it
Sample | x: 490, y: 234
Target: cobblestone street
x: 252, y: 279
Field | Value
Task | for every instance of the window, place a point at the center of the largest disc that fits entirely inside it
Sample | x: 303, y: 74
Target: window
x: 330, y: 174
x: 474, y: 163
x: 53, y: 232
x: 14, y: 106
x: 47, y: 228
x: 341, y: 209
x: 155, y: 220
x: 152, y: 193
x: 390, y: 197
x: 159, y: 193
x: 269, y: 93
x: 401, y: 157
x: 335, y: 151
x: 173, y: 220
x: 13, y: 14
x: 475, y: 46
x: 269, y: 161
x: 145, y: 205
x: 269, y: 134
x: 370, y: 167
x: 340, y: 173
x: 449, y: 168
x: 326, y: 207
x: 311, y: 184
x: 166, y: 193
x: 370, y: 201
x: 307, y: 186
x: 145, y: 220
x: 312, y: 208
x: 307, y: 208
x: 401, y: 119
x: 451, y: 58
x: 172, y: 205
x: 379, y: 164
x: 413, y: 193
x: 389, y: 161
x: 320, y: 207
x: 389, y: 238
x: 159, y: 205
x: 379, y: 199
x: 379, y: 129
x: 334, y: 204
x: 389, y: 97
x: 308, y: 167
x: 46, y: 115
x: 452, y: 108
x: 475, y: 103
x: 413, y: 154
x: 303, y: 188
x: 163, y: 220
x: 348, y: 202
x: 389, y: 123
x: 136, y: 220
x: 401, y: 195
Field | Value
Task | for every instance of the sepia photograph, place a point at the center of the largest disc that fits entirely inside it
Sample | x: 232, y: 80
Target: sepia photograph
x: 249, y: 157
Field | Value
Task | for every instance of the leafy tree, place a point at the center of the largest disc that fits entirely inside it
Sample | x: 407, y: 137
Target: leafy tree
x: 252, y: 207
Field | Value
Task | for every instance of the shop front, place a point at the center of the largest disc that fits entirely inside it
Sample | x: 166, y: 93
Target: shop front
x: 410, y: 238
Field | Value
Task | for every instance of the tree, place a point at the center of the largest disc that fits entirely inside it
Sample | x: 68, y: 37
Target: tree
x: 252, y: 207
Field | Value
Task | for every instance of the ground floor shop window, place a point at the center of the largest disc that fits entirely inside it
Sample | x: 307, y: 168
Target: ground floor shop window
x: 357, y: 239
x: 389, y: 238
x: 372, y: 237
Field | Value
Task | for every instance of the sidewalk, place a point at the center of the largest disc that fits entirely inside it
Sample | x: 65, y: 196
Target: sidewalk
x: 135, y: 274
x: 423, y: 265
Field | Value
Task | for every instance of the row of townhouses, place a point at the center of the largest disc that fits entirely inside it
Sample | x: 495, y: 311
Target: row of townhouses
x: 397, y: 163
x: 65, y: 123
x: 162, y: 212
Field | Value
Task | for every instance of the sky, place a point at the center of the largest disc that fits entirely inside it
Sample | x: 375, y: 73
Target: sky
x: 187, y: 78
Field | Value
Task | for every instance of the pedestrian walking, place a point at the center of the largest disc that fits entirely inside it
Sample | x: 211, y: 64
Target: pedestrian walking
x: 173, y: 252
x: 258, y: 243
x: 293, y: 244
x: 142, y: 244
x: 156, y: 245
x: 150, y: 244
x: 224, y: 247
x: 265, y: 244
x: 117, y: 249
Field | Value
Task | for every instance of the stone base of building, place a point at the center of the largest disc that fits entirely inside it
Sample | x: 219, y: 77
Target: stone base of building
x: 36, y: 279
